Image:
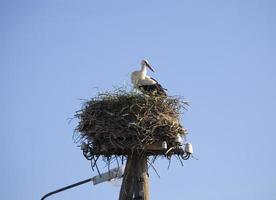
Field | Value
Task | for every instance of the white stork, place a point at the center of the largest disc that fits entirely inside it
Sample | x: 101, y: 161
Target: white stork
x: 146, y: 83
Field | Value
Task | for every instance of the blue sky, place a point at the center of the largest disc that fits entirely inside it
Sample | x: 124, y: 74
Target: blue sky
x: 218, y: 54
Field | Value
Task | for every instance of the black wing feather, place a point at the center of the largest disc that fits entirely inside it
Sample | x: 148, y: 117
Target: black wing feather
x: 154, y: 88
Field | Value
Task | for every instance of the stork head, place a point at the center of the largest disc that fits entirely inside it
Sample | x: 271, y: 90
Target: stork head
x: 144, y: 62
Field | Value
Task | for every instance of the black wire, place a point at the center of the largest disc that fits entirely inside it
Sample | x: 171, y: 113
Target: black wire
x: 66, y: 188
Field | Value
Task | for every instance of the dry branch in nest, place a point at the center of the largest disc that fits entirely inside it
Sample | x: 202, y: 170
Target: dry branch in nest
x: 116, y: 123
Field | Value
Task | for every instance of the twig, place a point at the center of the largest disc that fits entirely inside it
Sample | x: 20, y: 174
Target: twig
x: 154, y: 169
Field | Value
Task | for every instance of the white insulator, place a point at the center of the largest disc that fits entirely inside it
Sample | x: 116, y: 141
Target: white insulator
x: 178, y: 139
x: 189, y: 148
x: 164, y: 145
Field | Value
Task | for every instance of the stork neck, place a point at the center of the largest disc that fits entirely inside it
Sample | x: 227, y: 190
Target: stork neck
x: 144, y: 70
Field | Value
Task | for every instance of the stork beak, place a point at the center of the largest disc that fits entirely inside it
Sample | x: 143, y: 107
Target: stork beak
x: 150, y: 67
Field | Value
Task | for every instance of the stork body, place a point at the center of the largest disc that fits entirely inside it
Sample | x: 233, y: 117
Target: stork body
x: 145, y: 83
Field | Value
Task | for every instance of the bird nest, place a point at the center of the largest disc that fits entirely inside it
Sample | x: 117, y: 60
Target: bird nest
x: 116, y: 123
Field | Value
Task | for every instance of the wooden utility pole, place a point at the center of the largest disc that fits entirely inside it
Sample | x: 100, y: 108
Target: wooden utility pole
x: 136, y: 181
